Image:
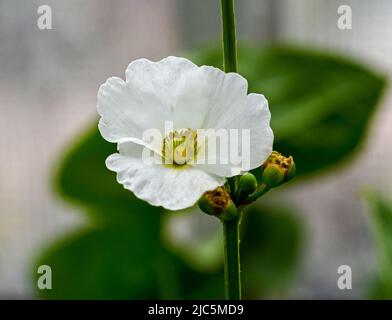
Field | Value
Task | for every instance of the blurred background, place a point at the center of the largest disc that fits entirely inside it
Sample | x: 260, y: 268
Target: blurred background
x: 48, y: 85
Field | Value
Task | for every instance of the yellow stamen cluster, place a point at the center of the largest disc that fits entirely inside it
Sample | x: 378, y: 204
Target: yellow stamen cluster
x: 180, y: 147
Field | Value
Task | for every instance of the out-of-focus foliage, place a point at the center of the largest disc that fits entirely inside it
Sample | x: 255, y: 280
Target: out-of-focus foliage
x: 381, y: 218
x: 320, y: 107
x: 320, y: 104
x: 270, y: 248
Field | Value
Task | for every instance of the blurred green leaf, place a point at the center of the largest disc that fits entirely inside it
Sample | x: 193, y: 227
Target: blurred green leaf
x: 83, y: 178
x: 270, y: 249
x: 381, y: 218
x: 114, y: 263
x: 320, y: 104
x: 98, y: 264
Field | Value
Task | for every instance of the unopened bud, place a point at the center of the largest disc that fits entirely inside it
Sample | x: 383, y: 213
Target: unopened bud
x: 278, y: 169
x: 218, y: 202
x: 246, y: 185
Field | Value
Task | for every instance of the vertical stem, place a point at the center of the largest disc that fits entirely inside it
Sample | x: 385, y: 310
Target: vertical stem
x: 231, y: 236
x: 229, y: 36
x: 229, y: 46
x: 231, y: 227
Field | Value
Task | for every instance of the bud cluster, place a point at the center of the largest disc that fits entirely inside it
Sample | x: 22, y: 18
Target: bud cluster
x: 224, y: 204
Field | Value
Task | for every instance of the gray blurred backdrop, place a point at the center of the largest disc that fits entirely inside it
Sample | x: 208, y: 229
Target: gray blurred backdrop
x: 48, y: 85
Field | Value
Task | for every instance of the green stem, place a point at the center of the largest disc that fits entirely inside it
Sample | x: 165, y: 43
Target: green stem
x: 229, y: 36
x: 231, y: 227
x: 261, y: 190
x: 231, y: 236
x: 229, y: 45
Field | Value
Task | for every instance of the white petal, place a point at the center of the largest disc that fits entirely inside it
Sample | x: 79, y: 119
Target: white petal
x: 145, y: 100
x: 206, y: 93
x: 257, y: 119
x: 163, y: 78
x: 173, y: 189
x: 255, y: 116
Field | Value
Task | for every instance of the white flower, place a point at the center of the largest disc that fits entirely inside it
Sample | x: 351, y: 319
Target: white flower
x: 192, y: 98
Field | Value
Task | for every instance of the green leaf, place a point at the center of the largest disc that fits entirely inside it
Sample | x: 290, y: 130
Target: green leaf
x: 320, y: 104
x: 83, y: 178
x: 270, y: 248
x: 121, y: 263
x: 381, y: 218
x: 97, y: 264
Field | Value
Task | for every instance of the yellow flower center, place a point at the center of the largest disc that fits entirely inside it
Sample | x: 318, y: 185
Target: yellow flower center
x: 180, y: 147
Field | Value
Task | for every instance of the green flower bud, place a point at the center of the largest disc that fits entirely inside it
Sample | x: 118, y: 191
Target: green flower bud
x: 218, y: 202
x: 246, y: 185
x: 273, y: 176
x: 206, y: 206
x: 278, y: 169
